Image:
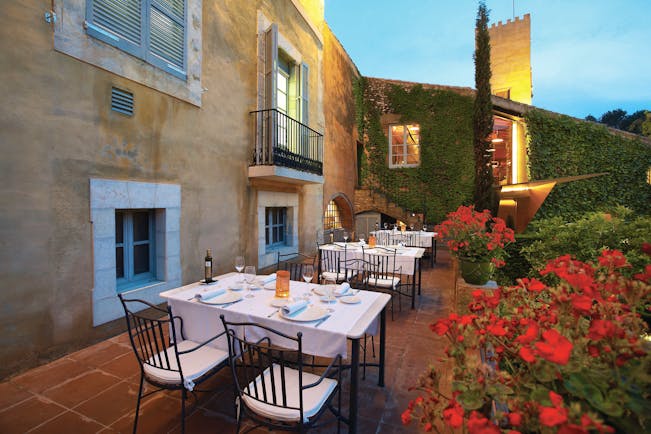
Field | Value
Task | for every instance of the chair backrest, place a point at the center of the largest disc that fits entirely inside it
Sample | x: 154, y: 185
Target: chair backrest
x: 382, y: 238
x: 294, y: 262
x: 331, y: 260
x: 148, y: 327
x: 357, y: 271
x: 381, y: 265
x: 413, y: 239
x: 261, y: 367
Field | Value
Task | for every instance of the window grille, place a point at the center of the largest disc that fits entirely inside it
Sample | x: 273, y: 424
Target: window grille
x: 332, y: 217
x: 275, y: 226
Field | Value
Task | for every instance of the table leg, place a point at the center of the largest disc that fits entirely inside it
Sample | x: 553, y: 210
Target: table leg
x: 413, y: 285
x: 383, y: 338
x: 354, y: 384
x: 420, y: 275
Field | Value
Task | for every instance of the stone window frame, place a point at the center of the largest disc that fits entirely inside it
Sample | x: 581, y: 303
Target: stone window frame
x: 393, y: 165
x: 268, y: 256
x: 71, y: 38
x: 107, y: 195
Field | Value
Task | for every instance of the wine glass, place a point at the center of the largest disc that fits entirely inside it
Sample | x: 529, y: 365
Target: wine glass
x: 249, y: 276
x: 362, y: 237
x: 239, y: 266
x: 307, y: 272
x: 424, y: 227
x: 386, y: 226
x: 345, y: 236
x: 411, y: 226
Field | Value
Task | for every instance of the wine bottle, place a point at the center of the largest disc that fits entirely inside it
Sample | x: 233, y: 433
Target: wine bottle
x: 207, y: 274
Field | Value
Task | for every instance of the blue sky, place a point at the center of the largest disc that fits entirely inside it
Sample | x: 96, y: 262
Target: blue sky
x: 588, y: 56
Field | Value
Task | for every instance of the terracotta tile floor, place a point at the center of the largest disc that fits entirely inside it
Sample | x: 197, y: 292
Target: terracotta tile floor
x: 95, y: 389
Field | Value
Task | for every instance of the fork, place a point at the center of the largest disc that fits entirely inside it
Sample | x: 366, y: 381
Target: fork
x: 273, y: 313
x: 227, y: 305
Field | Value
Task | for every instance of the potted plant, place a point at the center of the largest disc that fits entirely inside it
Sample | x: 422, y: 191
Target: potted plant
x: 477, y: 240
x: 568, y: 358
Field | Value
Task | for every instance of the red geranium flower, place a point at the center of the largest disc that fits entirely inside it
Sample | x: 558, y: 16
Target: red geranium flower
x: 601, y: 328
x: 440, y: 327
x: 453, y: 415
x: 581, y: 303
x: 554, y: 347
x: 552, y: 416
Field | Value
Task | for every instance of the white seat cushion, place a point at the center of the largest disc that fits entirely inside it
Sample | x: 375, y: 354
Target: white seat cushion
x: 390, y: 283
x: 342, y: 275
x: 194, y: 364
x: 313, y: 398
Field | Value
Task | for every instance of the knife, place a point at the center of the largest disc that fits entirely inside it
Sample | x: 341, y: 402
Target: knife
x: 224, y: 306
x: 321, y: 321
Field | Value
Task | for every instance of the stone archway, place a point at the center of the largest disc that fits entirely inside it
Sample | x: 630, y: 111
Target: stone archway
x: 345, y: 208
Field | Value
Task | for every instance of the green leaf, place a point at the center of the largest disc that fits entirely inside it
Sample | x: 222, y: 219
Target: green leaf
x: 471, y: 400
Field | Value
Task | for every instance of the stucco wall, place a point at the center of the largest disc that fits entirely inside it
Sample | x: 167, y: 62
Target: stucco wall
x: 57, y: 132
x: 340, y: 157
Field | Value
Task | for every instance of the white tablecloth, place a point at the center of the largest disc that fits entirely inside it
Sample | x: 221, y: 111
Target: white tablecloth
x: 405, y: 256
x: 201, y: 321
x: 425, y: 238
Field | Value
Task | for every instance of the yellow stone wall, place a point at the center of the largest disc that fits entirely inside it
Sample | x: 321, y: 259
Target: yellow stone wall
x: 511, y: 58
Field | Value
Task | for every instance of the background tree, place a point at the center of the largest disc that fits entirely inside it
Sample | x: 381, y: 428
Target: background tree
x: 484, y: 195
x: 636, y: 123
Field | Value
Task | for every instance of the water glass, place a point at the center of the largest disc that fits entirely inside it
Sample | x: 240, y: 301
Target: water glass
x: 307, y: 272
x: 249, y: 276
x: 239, y: 265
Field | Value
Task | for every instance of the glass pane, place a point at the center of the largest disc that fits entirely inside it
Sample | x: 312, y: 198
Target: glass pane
x: 119, y: 227
x: 141, y: 258
x: 119, y: 262
x: 275, y: 239
x: 282, y: 82
x: 267, y: 212
x: 140, y: 226
x: 397, y: 134
x: 266, y: 236
x: 413, y: 134
x: 281, y: 233
x: 281, y: 216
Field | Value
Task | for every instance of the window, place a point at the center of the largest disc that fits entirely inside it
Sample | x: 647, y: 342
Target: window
x: 153, y: 30
x: 134, y: 248
x: 332, y: 218
x: 501, y: 149
x: 275, y: 226
x: 404, y: 145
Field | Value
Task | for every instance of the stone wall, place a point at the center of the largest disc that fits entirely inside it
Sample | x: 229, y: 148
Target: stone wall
x: 57, y: 133
x: 511, y: 58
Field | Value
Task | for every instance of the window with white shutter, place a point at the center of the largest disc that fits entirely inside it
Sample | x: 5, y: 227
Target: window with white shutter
x: 153, y: 30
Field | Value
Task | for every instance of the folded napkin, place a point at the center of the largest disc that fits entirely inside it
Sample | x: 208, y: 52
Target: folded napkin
x: 205, y: 295
x: 294, y: 308
x: 342, y: 289
x: 270, y: 278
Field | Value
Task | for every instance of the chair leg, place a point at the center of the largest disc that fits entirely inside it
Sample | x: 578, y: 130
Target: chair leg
x: 364, y: 362
x: 184, y: 395
x: 135, y: 421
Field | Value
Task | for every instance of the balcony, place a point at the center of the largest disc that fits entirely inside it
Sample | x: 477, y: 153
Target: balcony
x: 285, y: 149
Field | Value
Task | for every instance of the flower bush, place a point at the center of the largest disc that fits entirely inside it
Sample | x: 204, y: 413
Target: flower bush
x: 475, y: 236
x: 533, y: 358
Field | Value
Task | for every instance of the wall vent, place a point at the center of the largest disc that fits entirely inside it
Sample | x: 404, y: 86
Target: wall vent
x: 122, y: 101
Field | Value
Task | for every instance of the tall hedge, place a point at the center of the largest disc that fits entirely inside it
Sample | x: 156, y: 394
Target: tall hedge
x: 444, y: 179
x: 562, y: 146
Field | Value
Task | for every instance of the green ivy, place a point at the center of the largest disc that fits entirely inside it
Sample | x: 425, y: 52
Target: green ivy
x: 562, y: 146
x: 444, y: 179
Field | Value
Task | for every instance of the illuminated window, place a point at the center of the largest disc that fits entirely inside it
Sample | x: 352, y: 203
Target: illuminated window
x: 501, y: 143
x: 648, y: 175
x: 404, y: 145
x: 332, y: 218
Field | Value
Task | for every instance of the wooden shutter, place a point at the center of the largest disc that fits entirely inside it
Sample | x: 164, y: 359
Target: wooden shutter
x: 304, y: 91
x: 270, y: 90
x: 271, y: 66
x: 117, y: 22
x: 167, y: 32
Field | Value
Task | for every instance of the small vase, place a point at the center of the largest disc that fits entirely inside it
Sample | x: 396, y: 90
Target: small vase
x: 475, y: 273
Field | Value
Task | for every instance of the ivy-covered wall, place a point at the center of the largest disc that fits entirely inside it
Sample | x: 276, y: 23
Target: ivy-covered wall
x: 444, y: 179
x: 562, y: 146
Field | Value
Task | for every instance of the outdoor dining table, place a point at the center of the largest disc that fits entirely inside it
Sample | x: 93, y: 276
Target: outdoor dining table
x: 407, y: 259
x: 346, y: 322
x: 426, y: 239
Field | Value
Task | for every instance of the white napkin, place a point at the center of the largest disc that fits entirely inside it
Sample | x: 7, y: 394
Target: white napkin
x: 292, y: 309
x: 342, y: 289
x: 270, y: 278
x: 205, y: 295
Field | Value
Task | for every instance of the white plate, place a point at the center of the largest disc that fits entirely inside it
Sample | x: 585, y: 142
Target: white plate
x: 280, y: 302
x: 229, y: 297
x: 351, y: 299
x: 236, y: 287
x: 311, y: 313
x: 326, y: 299
x: 271, y: 286
x: 318, y: 290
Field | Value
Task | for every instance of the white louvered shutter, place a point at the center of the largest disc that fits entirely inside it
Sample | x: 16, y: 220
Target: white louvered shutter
x: 167, y: 33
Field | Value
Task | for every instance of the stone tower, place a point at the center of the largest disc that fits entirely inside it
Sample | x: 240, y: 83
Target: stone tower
x: 511, y: 59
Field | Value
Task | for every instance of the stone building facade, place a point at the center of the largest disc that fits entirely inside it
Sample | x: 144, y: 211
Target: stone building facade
x: 124, y: 162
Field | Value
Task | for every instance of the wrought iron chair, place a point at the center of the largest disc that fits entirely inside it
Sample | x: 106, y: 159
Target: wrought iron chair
x: 294, y: 262
x: 332, y: 265
x: 382, y: 274
x: 173, y: 363
x: 272, y: 387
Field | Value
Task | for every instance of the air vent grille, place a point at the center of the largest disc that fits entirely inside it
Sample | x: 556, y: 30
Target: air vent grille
x: 122, y: 101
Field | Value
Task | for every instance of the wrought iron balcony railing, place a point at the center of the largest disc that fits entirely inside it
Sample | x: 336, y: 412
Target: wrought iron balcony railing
x: 283, y: 141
